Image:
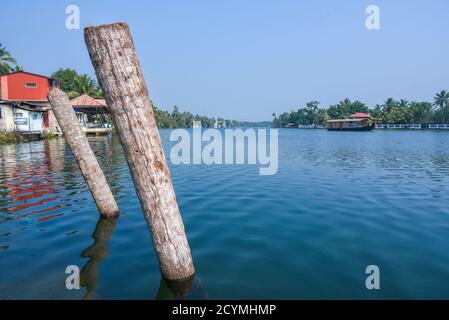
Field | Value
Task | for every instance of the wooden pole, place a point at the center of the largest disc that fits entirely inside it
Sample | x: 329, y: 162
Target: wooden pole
x: 114, y: 58
x: 83, y: 154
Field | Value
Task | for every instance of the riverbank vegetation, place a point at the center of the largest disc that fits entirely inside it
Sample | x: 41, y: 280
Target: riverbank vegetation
x: 391, y: 111
x: 10, y: 137
x: 183, y: 119
x: 75, y: 84
x: 49, y: 136
x: 13, y: 137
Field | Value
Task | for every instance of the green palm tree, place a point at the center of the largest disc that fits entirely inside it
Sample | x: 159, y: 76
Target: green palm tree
x: 402, y: 113
x: 389, y: 105
x: 84, y: 84
x: 6, y: 60
x: 403, y: 104
x: 377, y: 113
x: 389, y: 108
x: 441, y: 100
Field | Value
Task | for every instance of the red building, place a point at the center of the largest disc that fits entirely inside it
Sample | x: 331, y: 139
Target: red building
x: 25, y: 86
x: 32, y: 88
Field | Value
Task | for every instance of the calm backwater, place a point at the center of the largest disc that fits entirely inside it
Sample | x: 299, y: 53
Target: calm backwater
x: 339, y: 202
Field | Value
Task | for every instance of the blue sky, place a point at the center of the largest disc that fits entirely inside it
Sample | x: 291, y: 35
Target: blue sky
x: 247, y: 59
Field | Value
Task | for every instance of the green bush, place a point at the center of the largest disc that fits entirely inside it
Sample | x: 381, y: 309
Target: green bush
x: 10, y: 137
x: 49, y: 136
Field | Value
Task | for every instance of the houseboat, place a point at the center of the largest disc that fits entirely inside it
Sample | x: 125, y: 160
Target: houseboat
x: 355, y: 122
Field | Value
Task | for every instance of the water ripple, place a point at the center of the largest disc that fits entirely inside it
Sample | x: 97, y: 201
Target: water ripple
x: 339, y: 202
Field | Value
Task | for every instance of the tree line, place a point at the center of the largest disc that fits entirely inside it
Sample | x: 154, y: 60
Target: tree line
x: 183, y: 119
x: 391, y: 111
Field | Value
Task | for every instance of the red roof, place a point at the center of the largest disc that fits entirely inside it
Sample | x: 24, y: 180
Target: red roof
x: 101, y: 101
x: 33, y: 74
x: 360, y: 115
x: 87, y: 101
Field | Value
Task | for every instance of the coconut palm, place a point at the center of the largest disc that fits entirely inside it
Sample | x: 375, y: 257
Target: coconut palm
x: 389, y: 109
x: 421, y: 112
x: 84, y: 84
x: 402, y: 112
x: 6, y: 60
x: 377, y: 113
x: 441, y: 99
x: 403, y: 104
x: 389, y: 105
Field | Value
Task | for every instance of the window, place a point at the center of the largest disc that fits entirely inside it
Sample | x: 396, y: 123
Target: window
x: 30, y: 85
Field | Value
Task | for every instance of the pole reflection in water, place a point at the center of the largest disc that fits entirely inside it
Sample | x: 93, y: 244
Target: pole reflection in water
x: 191, y: 289
x: 96, y: 253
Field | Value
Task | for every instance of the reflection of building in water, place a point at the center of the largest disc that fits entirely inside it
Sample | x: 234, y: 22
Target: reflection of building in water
x: 31, y: 178
x: 96, y: 253
x: 55, y: 153
x: 102, y: 147
x: 110, y: 156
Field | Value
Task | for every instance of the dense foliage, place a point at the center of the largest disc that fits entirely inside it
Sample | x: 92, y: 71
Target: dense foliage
x: 75, y: 84
x: 391, y: 111
x: 178, y: 119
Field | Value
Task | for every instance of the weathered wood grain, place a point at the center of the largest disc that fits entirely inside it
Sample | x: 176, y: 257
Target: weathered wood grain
x: 82, y: 152
x: 114, y: 58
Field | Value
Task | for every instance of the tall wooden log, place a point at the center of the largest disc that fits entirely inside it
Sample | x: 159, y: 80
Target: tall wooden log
x: 114, y: 58
x: 82, y: 152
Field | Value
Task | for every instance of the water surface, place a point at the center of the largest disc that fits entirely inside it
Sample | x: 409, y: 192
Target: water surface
x: 340, y: 201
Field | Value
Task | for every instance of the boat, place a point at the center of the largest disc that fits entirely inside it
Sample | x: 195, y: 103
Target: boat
x: 355, y: 122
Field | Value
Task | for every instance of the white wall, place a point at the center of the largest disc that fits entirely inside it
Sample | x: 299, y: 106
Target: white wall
x: 7, y: 120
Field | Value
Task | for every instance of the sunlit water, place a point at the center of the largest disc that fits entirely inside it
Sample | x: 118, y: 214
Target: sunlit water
x: 340, y: 201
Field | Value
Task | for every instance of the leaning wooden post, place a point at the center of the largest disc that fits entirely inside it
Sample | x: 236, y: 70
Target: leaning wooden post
x: 83, y: 154
x: 114, y: 58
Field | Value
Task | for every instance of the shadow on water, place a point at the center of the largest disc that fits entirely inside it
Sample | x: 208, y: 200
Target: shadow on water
x: 96, y: 253
x: 191, y: 289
